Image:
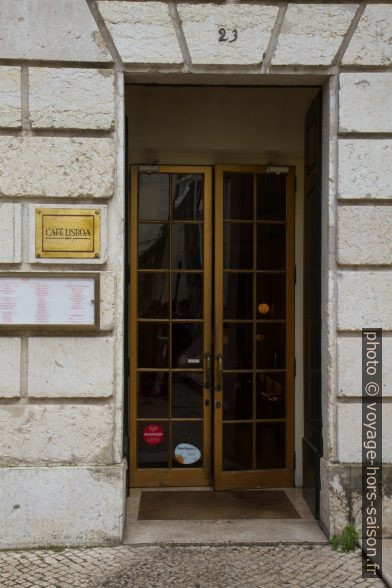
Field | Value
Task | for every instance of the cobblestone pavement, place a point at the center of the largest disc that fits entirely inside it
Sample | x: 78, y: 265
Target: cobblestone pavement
x: 193, y: 566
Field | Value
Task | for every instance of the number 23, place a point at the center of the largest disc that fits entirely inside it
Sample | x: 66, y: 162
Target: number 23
x: 223, y: 37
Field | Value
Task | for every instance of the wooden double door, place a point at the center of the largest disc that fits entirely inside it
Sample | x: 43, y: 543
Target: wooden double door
x: 211, y: 326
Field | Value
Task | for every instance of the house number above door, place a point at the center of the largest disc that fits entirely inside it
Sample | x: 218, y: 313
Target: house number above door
x: 229, y: 35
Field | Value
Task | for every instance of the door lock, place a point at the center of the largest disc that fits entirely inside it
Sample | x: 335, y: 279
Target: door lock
x: 218, y: 404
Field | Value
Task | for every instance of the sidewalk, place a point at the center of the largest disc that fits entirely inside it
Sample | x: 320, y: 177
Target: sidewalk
x: 191, y: 566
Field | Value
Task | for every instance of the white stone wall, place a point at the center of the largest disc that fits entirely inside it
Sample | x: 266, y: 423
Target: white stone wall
x: 62, y: 67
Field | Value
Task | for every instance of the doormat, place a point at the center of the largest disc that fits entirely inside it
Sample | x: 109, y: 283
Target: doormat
x: 207, y: 505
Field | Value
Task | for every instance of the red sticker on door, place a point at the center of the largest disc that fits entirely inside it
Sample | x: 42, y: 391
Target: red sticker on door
x: 153, y: 435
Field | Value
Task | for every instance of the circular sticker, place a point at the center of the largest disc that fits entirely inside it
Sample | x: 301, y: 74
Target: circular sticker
x: 153, y: 435
x: 187, y: 454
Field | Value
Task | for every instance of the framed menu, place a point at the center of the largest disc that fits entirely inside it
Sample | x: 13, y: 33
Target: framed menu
x: 49, y: 300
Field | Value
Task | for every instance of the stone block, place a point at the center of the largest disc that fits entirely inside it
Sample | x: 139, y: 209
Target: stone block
x: 67, y: 367
x: 10, y: 96
x: 71, y: 98
x: 108, y: 300
x: 365, y: 168
x: 56, y: 167
x: 349, y: 433
x: 371, y: 42
x: 350, y: 366
x: 311, y: 34
x: 201, y: 24
x: 364, y: 235
x: 55, y: 30
x: 365, y: 102
x: 364, y: 300
x: 62, y: 506
x: 9, y: 367
x: 55, y: 434
x: 11, y: 235
x: 143, y: 32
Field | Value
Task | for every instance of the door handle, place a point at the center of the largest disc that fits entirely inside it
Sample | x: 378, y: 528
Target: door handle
x: 207, y: 370
x: 218, y: 373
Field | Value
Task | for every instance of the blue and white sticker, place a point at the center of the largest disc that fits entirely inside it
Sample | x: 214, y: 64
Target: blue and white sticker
x: 186, y: 454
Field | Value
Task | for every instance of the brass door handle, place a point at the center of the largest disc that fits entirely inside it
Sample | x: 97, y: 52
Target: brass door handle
x: 219, y: 372
x: 207, y: 370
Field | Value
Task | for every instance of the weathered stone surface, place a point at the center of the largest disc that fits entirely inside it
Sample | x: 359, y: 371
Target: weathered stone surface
x: 365, y: 168
x: 58, y: 30
x: 311, y: 34
x: 73, y: 98
x: 142, y: 31
x: 201, y: 24
x: 364, y: 235
x: 350, y: 366
x: 371, y: 43
x: 349, y: 433
x: 70, y: 367
x: 108, y: 300
x: 10, y: 96
x: 41, y: 435
x: 364, y: 300
x: 365, y: 102
x: 62, y: 506
x: 56, y: 166
x: 10, y: 231
x: 9, y: 367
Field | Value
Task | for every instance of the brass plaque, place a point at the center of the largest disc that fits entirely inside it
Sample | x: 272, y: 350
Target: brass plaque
x: 68, y: 233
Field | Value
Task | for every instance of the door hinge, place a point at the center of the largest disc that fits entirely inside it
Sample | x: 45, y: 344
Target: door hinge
x: 295, y: 366
x: 294, y: 460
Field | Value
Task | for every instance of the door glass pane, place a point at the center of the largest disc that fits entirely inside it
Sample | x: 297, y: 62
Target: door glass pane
x: 237, y: 396
x: 187, y: 246
x: 271, y: 247
x: 187, y: 444
x: 237, y: 346
x: 271, y: 296
x: 152, y: 444
x: 237, y: 296
x: 238, y: 246
x: 153, y: 345
x: 153, y: 245
x: 187, y: 345
x: 271, y: 395
x: 187, y: 395
x: 153, y: 395
x: 153, y: 196
x: 271, y: 346
x: 153, y: 295
x: 187, y: 293
x: 237, y: 446
x: 271, y: 196
x: 237, y: 196
x: 188, y: 196
x: 270, y: 445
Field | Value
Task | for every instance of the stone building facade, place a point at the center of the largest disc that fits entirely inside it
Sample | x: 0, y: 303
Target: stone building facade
x: 64, y: 67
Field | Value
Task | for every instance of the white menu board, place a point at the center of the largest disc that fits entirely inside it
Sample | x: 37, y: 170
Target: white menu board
x: 48, y: 300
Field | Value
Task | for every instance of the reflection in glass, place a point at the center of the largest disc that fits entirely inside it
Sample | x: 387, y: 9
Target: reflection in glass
x: 153, y: 245
x: 237, y: 396
x: 237, y: 346
x: 188, y: 196
x: 152, y: 456
x: 187, y: 246
x: 271, y: 196
x: 187, y: 345
x: 271, y: 395
x: 270, y: 346
x: 187, y: 293
x: 187, y: 395
x: 270, y: 445
x: 152, y: 395
x: 271, y: 246
x: 153, y: 196
x: 237, y: 296
x: 238, y: 195
x: 271, y: 296
x: 153, y: 345
x: 237, y: 446
x: 190, y: 433
x: 238, y: 246
x: 153, y: 295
